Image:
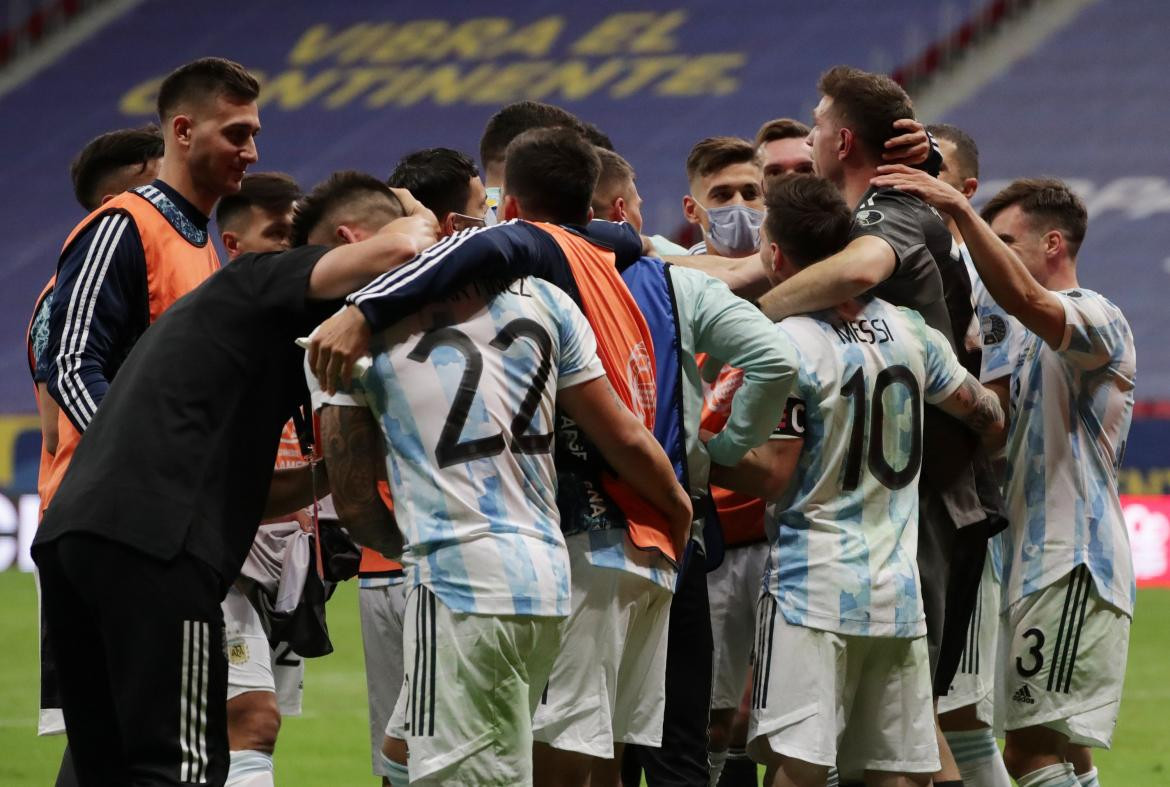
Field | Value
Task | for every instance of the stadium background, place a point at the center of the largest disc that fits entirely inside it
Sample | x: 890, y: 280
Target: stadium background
x: 1072, y: 88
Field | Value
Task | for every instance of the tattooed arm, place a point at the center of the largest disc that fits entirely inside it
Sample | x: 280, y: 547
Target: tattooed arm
x: 979, y: 408
x: 354, y: 451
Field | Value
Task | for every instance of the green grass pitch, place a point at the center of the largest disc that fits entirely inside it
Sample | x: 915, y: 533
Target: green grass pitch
x: 329, y: 743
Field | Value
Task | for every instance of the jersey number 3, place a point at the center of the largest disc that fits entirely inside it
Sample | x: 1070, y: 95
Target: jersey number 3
x: 450, y: 450
x: 883, y: 471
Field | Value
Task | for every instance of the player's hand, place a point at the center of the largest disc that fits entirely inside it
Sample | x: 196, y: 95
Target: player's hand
x: 421, y: 229
x: 410, y: 205
x: 926, y: 187
x: 912, y: 147
x: 336, y: 346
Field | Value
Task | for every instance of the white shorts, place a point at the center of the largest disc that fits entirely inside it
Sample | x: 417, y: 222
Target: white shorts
x: 253, y: 665
x: 860, y: 703
x: 609, y: 681
x: 974, y: 683
x: 470, y: 685
x: 382, y: 609
x: 733, y: 589
x: 1063, y: 661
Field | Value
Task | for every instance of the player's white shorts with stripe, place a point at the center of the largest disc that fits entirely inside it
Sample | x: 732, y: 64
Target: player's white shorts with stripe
x: 253, y: 665
x: 733, y: 590
x: 1064, y: 652
x: 609, y: 680
x: 859, y: 703
x: 974, y: 683
x: 469, y: 687
x: 382, y: 609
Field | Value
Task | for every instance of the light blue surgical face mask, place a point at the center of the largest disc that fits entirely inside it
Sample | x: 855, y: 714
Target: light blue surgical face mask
x: 733, y: 230
x: 493, y: 205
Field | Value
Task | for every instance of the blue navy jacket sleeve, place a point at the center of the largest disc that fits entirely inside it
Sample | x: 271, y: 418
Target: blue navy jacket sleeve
x: 933, y: 164
x: 621, y: 237
x: 510, y: 251
x: 99, y: 307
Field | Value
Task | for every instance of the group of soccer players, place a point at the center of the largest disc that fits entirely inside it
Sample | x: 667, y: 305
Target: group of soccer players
x: 832, y: 491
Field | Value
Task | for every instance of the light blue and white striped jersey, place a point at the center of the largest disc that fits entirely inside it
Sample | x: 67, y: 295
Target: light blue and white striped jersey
x: 1000, y: 334
x: 464, y: 391
x: 1070, y: 414
x: 844, y: 538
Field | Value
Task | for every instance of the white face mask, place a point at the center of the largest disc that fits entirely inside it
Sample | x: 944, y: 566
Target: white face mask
x: 733, y: 230
x: 493, y: 205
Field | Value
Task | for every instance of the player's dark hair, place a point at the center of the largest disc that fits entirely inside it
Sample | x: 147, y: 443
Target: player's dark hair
x: 552, y: 173
x: 1048, y: 203
x: 715, y: 153
x: 344, y: 196
x: 514, y: 119
x: 781, y: 128
x: 807, y: 217
x: 615, y: 173
x: 866, y: 103
x: 439, y: 178
x: 202, y: 79
x: 596, y: 136
x: 272, y: 192
x: 966, y: 151
x: 105, y: 155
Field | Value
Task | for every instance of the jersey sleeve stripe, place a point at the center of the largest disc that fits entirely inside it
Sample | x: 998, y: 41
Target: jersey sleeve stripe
x: 82, y: 301
x: 404, y: 274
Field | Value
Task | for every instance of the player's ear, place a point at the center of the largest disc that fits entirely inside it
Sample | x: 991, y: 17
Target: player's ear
x: 448, y: 226
x: 231, y: 243
x: 589, y: 216
x: 510, y: 209
x: 181, y: 126
x: 618, y: 210
x: 1053, y: 243
x: 846, y: 142
x: 346, y: 235
x: 970, y: 186
x: 691, y: 209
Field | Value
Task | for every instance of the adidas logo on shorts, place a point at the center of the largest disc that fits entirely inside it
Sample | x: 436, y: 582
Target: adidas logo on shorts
x: 1023, y: 695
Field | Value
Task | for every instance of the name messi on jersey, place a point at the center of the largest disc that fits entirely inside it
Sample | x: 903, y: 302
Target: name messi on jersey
x: 863, y: 332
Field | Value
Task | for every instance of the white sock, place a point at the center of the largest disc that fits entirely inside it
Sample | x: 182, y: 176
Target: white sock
x: 396, y: 772
x: 978, y: 757
x: 715, y: 760
x: 1089, y: 779
x: 1059, y: 775
x: 249, y: 769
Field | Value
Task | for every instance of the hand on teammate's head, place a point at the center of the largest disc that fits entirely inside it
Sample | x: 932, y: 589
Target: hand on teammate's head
x: 421, y: 227
x: 926, y: 187
x: 911, y: 147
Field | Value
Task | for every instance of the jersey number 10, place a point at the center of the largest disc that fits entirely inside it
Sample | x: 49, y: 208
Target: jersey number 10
x: 879, y: 466
x: 450, y: 450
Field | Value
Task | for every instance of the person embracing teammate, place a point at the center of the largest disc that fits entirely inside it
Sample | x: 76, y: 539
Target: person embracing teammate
x: 1069, y: 585
x: 841, y: 593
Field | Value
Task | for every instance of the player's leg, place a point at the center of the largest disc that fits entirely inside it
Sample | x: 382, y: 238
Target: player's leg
x: 253, y: 717
x: 795, y: 724
x: 936, y: 536
x: 574, y: 720
x: 382, y: 608
x: 86, y: 700
x: 733, y: 589
x: 161, y: 632
x: 889, y: 734
x: 966, y: 712
x: 1081, y: 758
x: 641, y: 689
x: 469, y: 687
x: 1064, y: 669
x: 681, y: 759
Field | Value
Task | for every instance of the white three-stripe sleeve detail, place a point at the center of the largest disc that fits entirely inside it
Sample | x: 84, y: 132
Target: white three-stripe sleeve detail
x: 82, y: 302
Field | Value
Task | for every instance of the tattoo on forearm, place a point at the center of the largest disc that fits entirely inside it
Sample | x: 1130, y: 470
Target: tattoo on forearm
x: 354, y: 454
x: 983, y: 405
